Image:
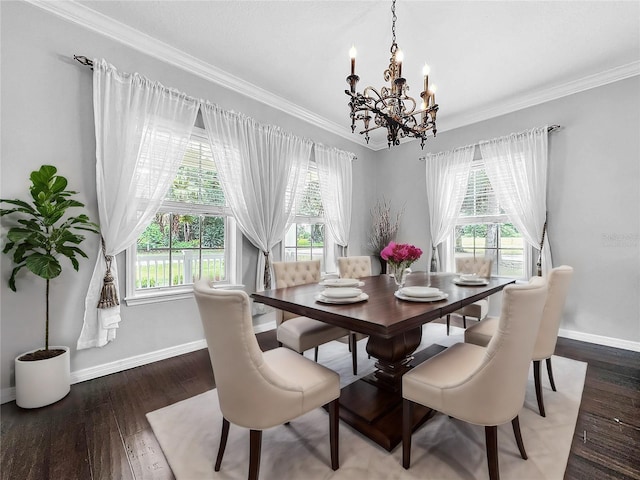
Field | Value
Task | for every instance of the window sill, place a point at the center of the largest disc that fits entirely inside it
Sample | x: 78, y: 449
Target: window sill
x: 171, y: 295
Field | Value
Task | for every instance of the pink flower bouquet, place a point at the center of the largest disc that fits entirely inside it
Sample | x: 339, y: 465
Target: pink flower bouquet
x: 400, y: 255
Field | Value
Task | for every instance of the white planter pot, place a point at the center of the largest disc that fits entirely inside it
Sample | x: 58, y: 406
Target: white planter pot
x: 42, y: 382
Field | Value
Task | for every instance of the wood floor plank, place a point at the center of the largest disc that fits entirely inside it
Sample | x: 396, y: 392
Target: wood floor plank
x: 107, y: 454
x: 69, y: 456
x: 26, y: 446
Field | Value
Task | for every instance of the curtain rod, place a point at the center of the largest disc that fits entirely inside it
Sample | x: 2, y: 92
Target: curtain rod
x: 83, y: 60
x: 551, y: 128
x: 89, y: 63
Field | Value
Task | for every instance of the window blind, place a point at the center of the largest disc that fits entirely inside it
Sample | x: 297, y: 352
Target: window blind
x: 197, y: 182
x: 309, y: 202
x: 480, y: 199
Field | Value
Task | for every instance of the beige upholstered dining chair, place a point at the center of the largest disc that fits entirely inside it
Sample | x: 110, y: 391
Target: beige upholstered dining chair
x: 559, y: 279
x: 259, y: 390
x: 482, y: 386
x: 296, y: 332
x: 479, y: 309
x: 354, y: 267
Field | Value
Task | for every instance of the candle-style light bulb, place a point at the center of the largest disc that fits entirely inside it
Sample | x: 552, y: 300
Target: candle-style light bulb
x: 399, y: 59
x: 425, y: 72
x: 432, y: 93
x: 352, y: 54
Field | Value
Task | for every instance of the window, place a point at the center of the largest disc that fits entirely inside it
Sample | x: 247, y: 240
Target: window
x: 191, y: 236
x: 306, y: 237
x: 483, y: 229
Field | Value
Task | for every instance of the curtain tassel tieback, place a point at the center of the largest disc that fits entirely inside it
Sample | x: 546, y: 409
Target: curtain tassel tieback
x: 108, y: 295
x: 544, y: 231
x: 267, y: 272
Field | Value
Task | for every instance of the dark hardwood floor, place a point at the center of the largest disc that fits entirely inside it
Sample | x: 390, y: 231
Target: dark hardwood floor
x: 99, y: 431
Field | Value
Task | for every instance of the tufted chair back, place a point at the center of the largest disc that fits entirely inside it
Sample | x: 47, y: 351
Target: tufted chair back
x: 245, y: 383
x: 559, y: 279
x: 354, y: 267
x: 479, y: 266
x: 290, y: 274
x: 508, y: 354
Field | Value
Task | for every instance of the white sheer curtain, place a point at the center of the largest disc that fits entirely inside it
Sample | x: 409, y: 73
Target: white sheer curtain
x: 142, y: 131
x: 447, y: 177
x: 336, y: 187
x: 261, y: 169
x: 516, y: 166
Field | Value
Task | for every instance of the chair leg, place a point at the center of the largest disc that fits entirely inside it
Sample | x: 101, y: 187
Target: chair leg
x: 491, y: 438
x: 223, y: 443
x: 516, y: 432
x: 550, y: 373
x: 353, y: 346
x: 407, y: 423
x: 255, y: 439
x: 464, y: 321
x: 316, y: 354
x: 536, y: 379
x: 334, y: 431
x: 448, y: 323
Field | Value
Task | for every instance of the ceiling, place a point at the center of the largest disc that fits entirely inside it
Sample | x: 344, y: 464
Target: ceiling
x: 487, y: 57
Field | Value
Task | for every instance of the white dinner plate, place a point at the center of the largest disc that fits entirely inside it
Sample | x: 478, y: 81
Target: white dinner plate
x: 341, y: 292
x: 472, y: 283
x: 341, y: 301
x: 420, y: 291
x: 469, y: 277
x: 341, y: 282
x: 442, y: 296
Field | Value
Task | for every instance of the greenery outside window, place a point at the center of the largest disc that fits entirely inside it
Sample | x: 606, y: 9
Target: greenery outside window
x: 484, y: 230
x: 193, y: 235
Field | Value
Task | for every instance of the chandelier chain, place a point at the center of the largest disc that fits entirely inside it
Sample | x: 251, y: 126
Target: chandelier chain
x: 393, y: 23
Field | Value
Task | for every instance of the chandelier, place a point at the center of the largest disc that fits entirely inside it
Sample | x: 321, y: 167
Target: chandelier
x: 391, y: 107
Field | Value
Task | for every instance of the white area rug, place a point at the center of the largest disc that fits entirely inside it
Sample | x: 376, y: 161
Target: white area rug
x: 444, y: 448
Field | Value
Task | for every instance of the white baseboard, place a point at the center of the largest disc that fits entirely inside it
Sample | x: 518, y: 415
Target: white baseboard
x: 135, y: 361
x: 600, y: 340
x: 9, y: 394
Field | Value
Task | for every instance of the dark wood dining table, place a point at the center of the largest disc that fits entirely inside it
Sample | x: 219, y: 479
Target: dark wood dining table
x: 373, y: 404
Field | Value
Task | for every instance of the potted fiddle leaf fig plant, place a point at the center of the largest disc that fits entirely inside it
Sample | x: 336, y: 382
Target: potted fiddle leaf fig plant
x: 44, y: 232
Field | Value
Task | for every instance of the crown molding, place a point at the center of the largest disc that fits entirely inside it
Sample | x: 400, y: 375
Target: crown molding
x: 92, y: 20
x: 85, y: 17
x: 542, y: 96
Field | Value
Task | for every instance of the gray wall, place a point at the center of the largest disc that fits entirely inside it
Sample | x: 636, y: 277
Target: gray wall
x: 593, y: 198
x: 47, y: 117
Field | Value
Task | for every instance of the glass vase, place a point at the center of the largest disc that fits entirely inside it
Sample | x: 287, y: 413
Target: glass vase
x: 399, y: 273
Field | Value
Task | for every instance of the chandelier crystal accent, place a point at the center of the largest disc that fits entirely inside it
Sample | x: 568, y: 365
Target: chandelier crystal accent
x: 391, y: 107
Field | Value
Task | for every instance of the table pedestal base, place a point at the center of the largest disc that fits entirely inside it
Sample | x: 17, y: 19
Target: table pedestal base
x: 376, y: 411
